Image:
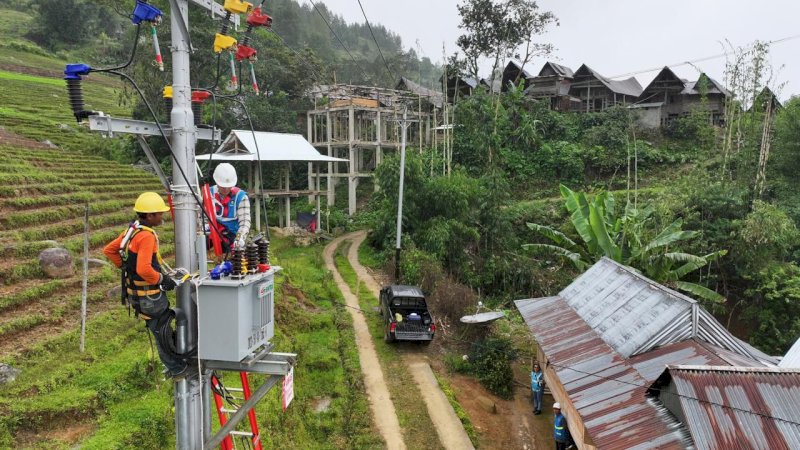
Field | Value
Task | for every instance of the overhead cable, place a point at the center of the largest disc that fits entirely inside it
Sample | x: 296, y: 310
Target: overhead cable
x: 388, y: 69
x: 366, y: 77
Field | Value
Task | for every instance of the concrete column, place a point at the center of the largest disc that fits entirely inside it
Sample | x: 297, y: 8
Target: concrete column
x: 311, y: 138
x: 330, y: 185
x: 288, y: 199
x: 351, y: 178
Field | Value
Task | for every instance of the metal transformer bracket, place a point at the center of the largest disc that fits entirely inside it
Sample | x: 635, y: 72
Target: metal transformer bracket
x: 110, y: 126
x: 217, y: 11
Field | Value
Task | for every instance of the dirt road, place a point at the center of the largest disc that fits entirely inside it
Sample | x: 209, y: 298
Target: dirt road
x: 380, y: 401
x: 448, y: 426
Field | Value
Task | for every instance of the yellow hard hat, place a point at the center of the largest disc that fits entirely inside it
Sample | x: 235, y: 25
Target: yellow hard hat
x: 150, y: 202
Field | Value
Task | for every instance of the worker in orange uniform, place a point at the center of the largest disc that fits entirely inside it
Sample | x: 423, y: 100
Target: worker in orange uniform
x: 144, y: 285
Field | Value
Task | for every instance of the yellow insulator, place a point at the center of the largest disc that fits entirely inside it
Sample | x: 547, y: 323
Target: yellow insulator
x: 167, y: 93
x: 223, y: 42
x: 237, y: 6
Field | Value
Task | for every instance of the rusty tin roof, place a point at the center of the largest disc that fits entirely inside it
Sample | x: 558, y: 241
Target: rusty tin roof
x: 729, y: 408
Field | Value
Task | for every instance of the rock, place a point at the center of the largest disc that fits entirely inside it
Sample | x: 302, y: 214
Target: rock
x: 94, y: 262
x: 48, y: 143
x: 114, y: 292
x: 63, y: 126
x: 487, y: 404
x: 322, y: 404
x: 8, y: 373
x: 56, y: 263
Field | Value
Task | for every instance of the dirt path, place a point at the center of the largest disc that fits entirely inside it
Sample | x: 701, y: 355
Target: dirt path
x: 380, y: 401
x: 448, y: 426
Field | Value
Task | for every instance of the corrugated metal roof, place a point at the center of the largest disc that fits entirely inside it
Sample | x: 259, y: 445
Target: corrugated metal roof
x: 739, y: 408
x: 634, y: 314
x: 436, y: 98
x: 792, y: 358
x: 272, y: 147
x: 607, y: 392
x: 611, y: 333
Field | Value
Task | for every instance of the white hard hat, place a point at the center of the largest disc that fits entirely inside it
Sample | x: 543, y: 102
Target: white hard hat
x: 556, y: 405
x: 225, y: 175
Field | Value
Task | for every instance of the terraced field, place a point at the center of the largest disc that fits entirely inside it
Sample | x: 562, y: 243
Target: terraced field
x: 44, y: 195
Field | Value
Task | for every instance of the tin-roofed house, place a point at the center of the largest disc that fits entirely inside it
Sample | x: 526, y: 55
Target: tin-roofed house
x: 603, y: 341
x: 598, y: 93
x: 723, y: 407
x: 552, y: 84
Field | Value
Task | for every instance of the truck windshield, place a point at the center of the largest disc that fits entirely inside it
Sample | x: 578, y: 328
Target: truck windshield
x: 408, y: 302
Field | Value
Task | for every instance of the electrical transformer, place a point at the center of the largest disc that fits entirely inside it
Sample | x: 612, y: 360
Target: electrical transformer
x: 235, y: 316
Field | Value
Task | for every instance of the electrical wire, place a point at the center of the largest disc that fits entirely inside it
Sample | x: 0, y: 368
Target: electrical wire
x: 366, y: 77
x: 563, y: 366
x: 130, y: 59
x: 166, y: 140
x: 388, y: 70
x: 706, y: 58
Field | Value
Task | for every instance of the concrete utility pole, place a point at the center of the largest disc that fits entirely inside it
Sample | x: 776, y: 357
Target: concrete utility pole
x: 404, y: 123
x: 188, y: 411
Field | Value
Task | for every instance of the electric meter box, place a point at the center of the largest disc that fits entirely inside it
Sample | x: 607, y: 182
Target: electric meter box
x: 235, y: 316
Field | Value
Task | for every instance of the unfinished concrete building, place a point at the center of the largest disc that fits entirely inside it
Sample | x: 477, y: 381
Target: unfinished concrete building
x: 362, y: 123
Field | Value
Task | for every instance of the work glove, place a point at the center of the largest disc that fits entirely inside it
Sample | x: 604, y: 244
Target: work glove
x: 167, y: 284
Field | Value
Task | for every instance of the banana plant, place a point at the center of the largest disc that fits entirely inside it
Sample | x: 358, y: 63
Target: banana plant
x: 623, y: 237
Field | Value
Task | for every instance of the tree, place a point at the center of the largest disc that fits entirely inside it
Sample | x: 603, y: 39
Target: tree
x: 625, y: 238
x: 497, y: 29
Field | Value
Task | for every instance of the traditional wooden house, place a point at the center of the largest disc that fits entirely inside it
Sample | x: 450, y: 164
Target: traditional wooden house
x: 597, y: 93
x: 458, y: 86
x: 514, y: 74
x: 552, y: 84
x: 669, y: 97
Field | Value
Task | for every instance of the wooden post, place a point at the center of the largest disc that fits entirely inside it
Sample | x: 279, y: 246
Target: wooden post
x: 319, y: 209
x: 288, y: 198
x: 85, y: 284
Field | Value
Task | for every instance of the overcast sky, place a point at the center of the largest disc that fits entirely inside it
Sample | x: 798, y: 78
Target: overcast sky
x: 616, y: 37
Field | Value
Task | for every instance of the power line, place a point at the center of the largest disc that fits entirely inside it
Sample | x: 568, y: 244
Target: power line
x: 698, y: 60
x: 366, y: 77
x: 388, y: 70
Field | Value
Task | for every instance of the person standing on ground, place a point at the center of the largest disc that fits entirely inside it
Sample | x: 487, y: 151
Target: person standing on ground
x: 232, y: 208
x: 560, y: 429
x: 537, y: 388
x: 144, y: 286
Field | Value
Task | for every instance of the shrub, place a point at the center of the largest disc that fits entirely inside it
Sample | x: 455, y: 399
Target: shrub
x: 490, y: 360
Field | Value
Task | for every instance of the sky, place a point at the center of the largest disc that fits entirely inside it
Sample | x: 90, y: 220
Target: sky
x: 615, y: 37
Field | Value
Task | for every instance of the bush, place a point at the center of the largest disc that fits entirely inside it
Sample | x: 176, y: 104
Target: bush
x: 490, y: 360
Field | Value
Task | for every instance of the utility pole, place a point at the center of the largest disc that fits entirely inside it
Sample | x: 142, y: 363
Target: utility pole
x: 188, y: 411
x: 192, y: 413
x: 404, y: 124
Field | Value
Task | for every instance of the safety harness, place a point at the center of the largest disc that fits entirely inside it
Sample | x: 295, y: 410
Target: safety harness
x: 133, y: 286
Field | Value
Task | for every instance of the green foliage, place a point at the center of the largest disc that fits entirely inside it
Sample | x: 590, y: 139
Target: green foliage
x: 784, y: 163
x: 490, y: 361
x: 775, y: 306
x: 627, y: 238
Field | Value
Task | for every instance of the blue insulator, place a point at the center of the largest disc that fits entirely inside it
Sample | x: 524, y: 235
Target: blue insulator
x: 227, y: 268
x: 144, y: 12
x: 74, y: 71
x: 72, y: 75
x: 216, y: 272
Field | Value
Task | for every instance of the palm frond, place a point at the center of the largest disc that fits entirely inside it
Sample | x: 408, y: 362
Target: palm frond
x: 561, y: 252
x: 701, y: 292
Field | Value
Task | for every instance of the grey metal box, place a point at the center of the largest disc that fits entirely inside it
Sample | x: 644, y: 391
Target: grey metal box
x: 235, y: 317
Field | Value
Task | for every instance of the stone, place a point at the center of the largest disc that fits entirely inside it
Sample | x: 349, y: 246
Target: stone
x: 487, y: 404
x: 56, y: 263
x: 8, y: 373
x: 48, y: 143
x: 94, y: 262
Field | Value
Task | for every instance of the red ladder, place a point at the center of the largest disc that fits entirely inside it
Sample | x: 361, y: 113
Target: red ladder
x: 222, y: 413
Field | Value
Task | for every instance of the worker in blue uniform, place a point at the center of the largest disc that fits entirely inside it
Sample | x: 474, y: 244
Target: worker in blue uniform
x: 560, y: 430
x: 537, y: 388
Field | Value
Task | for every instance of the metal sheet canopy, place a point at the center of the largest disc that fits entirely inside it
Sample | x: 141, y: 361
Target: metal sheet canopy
x: 481, y: 318
x: 240, y: 145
